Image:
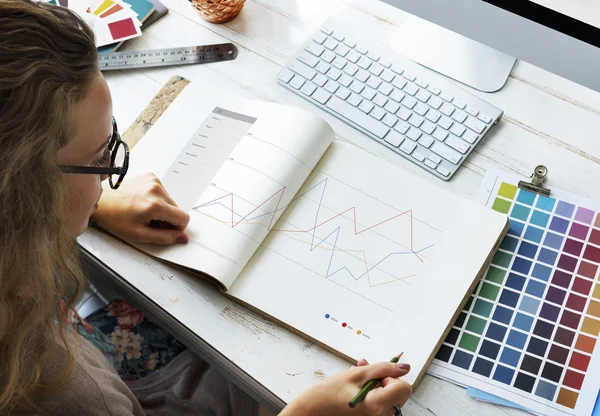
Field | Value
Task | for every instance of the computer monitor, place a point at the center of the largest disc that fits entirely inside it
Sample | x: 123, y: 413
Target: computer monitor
x: 561, y: 36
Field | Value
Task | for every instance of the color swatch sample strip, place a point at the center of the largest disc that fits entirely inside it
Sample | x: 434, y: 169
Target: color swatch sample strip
x: 529, y: 331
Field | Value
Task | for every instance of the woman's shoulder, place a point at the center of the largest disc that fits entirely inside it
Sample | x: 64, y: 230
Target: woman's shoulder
x: 95, y: 388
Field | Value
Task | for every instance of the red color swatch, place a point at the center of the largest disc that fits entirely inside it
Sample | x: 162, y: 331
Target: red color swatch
x: 122, y: 29
x: 573, y: 380
x: 579, y: 361
x: 582, y: 286
x: 587, y: 269
x: 576, y: 302
x: 595, y: 237
x: 592, y: 253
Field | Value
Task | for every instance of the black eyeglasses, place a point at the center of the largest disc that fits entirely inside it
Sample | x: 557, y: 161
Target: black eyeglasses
x: 117, y: 153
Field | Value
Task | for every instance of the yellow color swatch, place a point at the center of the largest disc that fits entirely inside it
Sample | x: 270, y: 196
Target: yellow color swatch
x: 507, y: 190
x: 105, y: 5
x: 591, y: 326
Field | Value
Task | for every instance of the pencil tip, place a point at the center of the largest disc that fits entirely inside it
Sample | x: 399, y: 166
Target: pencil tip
x: 400, y: 355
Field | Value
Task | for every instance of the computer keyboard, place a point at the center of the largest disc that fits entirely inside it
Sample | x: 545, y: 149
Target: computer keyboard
x: 422, y: 117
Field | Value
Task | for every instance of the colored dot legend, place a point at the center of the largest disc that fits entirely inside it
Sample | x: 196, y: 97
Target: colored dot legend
x: 344, y: 325
x: 327, y: 316
x: 358, y: 332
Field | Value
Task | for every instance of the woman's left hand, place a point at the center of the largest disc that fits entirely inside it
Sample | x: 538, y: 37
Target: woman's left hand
x: 142, y: 211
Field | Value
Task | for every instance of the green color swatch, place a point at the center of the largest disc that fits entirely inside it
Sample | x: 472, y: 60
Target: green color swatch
x: 469, y: 342
x: 507, y: 190
x: 489, y: 291
x: 482, y: 308
x: 476, y: 325
x: 501, y: 205
x: 495, y: 275
x: 502, y: 259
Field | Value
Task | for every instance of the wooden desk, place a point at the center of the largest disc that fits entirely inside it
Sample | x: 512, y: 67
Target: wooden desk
x: 547, y: 120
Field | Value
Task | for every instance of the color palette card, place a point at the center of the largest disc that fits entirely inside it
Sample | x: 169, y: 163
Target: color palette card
x: 528, y: 334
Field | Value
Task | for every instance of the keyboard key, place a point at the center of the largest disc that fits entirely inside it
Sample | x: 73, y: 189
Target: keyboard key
x: 320, y: 80
x: 459, y: 116
x: 457, y: 144
x: 409, y: 76
x: 421, y: 83
x: 297, y: 82
x: 459, y: 104
x: 326, y: 30
x: 434, y: 90
x: 357, y: 86
x: 470, y: 136
x: 433, y: 116
x: 321, y: 96
x: 418, y: 156
x: 416, y: 120
x: 428, y: 127
x: 426, y: 141
x: 364, y: 63
x: 376, y: 69
x: 343, y: 93
x: 423, y: 95
x: 373, y: 82
x: 394, y: 138
x: 411, y: 89
x: 342, y: 50
x: 408, y: 146
x: 397, y: 69
x: 397, y: 95
x: 387, y: 75
x: 328, y: 56
x: 385, y: 62
x: 308, y: 59
x: 380, y: 99
x: 332, y: 86
x: 446, y: 152
x: 447, y: 97
x: 421, y: 109
x: 322, y: 67
x: 457, y: 129
x: 474, y: 124
x: 430, y: 164
x: 389, y: 120
x: 445, y: 122
x: 434, y: 158
x: 353, y: 57
x: 368, y: 93
x: 345, y: 80
x: 485, y: 118
x: 440, y: 134
x: 443, y: 171
x: 392, y: 106
x: 360, y: 49
x: 402, y: 127
x: 331, y: 44
x: 339, y: 62
x: 338, y: 36
x: 354, y: 99
x: 409, y: 102
x: 399, y: 82
x: 357, y: 117
x: 308, y: 88
x: 385, y: 88
x: 314, y: 48
x: 350, y: 43
x: 472, y: 111
x: 350, y: 69
x: 447, y: 109
x: 334, y: 73
x: 301, y: 69
x: 413, y: 134
x: 372, y: 55
x: 285, y: 75
x: 377, y: 113
x: 366, y: 106
x: 319, y: 37
x: 404, y: 113
x: 435, y: 102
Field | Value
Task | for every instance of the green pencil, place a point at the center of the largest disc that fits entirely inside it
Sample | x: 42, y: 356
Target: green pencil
x: 369, y: 385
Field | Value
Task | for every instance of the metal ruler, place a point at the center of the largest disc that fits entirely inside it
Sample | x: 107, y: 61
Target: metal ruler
x: 203, y: 54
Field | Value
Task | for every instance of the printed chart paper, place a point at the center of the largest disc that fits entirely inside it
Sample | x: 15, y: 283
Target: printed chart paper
x: 529, y: 332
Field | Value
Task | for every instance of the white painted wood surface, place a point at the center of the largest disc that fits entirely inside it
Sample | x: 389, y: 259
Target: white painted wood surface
x: 547, y: 120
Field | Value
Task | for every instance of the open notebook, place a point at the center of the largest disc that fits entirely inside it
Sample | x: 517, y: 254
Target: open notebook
x: 358, y: 255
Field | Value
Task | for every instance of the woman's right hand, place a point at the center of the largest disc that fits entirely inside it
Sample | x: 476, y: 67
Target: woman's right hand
x: 331, y: 396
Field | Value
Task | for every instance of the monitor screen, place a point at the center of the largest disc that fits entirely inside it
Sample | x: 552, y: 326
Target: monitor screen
x: 577, y: 18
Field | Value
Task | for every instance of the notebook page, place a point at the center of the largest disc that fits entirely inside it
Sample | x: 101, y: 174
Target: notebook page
x: 217, y: 154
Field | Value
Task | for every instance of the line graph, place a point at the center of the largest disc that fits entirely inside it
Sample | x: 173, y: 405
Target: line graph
x: 328, y: 230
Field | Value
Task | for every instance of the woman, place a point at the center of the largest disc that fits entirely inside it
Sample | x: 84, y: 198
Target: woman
x: 56, y: 130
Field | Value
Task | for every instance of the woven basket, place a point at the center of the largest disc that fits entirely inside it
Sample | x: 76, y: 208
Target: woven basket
x: 218, y: 11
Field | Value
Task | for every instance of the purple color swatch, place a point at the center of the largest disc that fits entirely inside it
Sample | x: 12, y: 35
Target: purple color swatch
x: 584, y: 215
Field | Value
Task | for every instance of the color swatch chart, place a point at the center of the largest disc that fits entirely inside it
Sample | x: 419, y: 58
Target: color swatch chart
x: 529, y: 332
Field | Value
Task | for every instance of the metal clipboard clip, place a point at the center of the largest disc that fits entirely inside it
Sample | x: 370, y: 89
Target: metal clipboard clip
x: 537, y: 180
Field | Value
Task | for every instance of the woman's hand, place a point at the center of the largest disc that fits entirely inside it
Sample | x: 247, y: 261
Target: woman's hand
x: 331, y: 396
x: 142, y: 211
